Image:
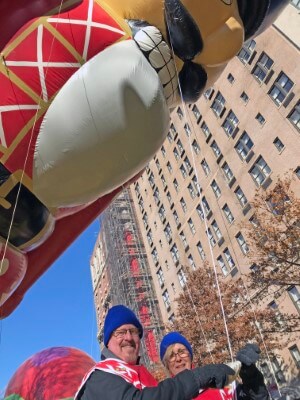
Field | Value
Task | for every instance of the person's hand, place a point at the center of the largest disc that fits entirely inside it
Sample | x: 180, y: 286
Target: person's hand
x: 212, y: 375
x: 249, y: 354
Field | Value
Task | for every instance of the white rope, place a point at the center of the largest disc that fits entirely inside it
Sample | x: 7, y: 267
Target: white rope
x: 202, y: 208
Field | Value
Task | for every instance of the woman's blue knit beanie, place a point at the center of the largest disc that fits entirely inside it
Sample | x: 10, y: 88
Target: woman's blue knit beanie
x: 172, y: 338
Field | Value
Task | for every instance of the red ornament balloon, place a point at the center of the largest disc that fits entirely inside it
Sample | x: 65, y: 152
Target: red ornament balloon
x: 53, y: 373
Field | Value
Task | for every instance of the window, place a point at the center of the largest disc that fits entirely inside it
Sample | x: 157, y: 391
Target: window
x: 254, y: 268
x: 205, y: 206
x: 244, y: 97
x: 175, y: 253
x: 278, y: 144
x: 154, y: 255
x: 170, y: 137
x: 278, y: 371
x: 173, y: 130
x: 156, y: 196
x: 141, y: 204
x: 192, y: 262
x: 187, y: 164
x: 187, y: 129
x: 281, y: 88
x: 241, y: 196
x: 228, y: 258
x: 169, y: 166
x: 296, y: 3
x: 246, y: 51
x: 181, y: 277
x: 166, y: 299
x: 228, y: 214
x: 192, y: 191
x: 216, y: 189
x: 230, y: 123
x: 297, y: 172
x: 260, y: 171
x: 262, y: 67
x: 222, y: 265
x: 151, y: 180
x: 169, y: 197
x: 230, y: 78
x: 192, y: 226
x: 176, y: 154
x: 244, y: 145
x: 242, y: 243
x: 183, y: 204
x: 227, y: 172
x: 205, y: 167
x: 260, y: 119
x: 218, y: 104
x: 216, y: 229
x: 183, y: 239
x: 200, y: 212
x: 160, y: 277
x: 176, y: 218
x: 163, y: 179
x: 150, y: 237
x: 205, y: 129
x: 163, y: 151
x: 183, y: 171
x: 168, y: 232
x: 171, y: 319
x: 200, y: 250
x: 162, y: 213
x: 157, y: 165
x: 176, y: 185
x: 180, y: 147
x: 210, y: 237
x: 196, y: 146
x: 145, y: 220
x: 179, y: 112
x: 295, y: 296
x: 196, y: 112
x: 295, y: 353
x: 215, y: 148
x: 208, y: 93
x: 294, y: 117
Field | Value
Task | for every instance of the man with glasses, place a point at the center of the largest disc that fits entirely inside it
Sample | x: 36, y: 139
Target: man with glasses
x: 118, y: 376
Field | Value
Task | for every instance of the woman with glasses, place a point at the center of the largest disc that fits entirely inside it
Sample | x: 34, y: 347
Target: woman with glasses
x: 177, y: 355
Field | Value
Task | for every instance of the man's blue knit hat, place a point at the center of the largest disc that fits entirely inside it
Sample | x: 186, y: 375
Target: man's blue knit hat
x: 172, y: 338
x: 117, y: 316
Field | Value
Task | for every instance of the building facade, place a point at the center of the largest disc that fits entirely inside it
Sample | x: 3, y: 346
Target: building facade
x: 195, y: 194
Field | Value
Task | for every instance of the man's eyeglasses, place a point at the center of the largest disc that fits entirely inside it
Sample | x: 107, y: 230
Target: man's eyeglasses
x: 120, y: 333
x: 182, y: 353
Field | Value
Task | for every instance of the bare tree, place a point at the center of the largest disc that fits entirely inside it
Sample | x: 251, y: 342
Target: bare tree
x: 274, y: 237
x: 200, y: 319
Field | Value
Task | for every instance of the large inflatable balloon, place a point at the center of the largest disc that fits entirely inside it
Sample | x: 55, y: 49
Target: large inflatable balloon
x: 51, y: 374
x: 85, y: 92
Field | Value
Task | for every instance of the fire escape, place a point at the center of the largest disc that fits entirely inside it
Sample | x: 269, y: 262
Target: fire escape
x: 129, y: 274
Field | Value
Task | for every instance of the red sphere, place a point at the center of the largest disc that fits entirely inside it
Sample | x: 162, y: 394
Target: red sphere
x: 54, y: 373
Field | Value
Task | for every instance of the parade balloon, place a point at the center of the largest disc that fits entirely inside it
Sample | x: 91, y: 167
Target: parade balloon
x: 86, y: 91
x: 54, y: 373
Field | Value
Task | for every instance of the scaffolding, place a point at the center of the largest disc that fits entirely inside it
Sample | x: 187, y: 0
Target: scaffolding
x: 129, y: 272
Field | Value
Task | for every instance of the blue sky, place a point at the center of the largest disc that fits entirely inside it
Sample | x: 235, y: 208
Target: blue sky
x: 57, y: 311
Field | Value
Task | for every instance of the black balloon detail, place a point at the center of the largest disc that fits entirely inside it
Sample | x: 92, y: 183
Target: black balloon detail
x: 183, y: 32
x: 192, y: 78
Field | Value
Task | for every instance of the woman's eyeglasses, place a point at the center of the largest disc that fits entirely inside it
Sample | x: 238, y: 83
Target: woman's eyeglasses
x: 182, y: 353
